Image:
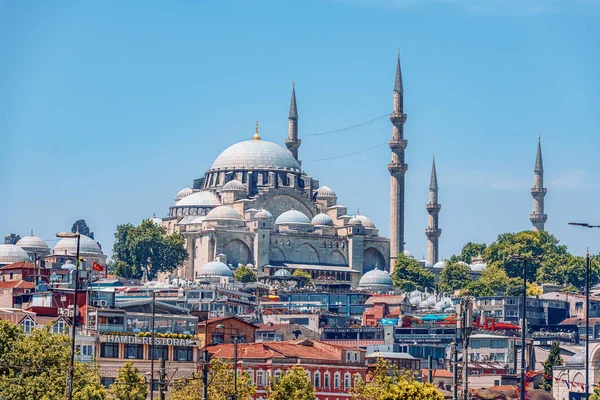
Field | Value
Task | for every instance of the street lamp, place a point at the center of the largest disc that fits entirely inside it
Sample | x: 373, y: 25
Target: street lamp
x: 525, y: 259
x: 205, y: 357
x: 71, y: 235
x: 587, y: 310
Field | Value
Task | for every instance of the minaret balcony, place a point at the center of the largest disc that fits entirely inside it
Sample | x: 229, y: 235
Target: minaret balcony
x: 433, y: 232
x: 398, y: 117
x: 398, y: 144
x: 538, y: 217
x: 539, y: 191
x: 431, y: 208
x: 397, y: 168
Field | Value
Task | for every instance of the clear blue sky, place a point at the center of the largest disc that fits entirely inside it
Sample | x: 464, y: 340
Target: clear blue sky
x: 107, y: 109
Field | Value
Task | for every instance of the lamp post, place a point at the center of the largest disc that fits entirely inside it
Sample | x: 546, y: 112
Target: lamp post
x: 587, y: 310
x: 205, y: 357
x: 525, y: 260
x: 71, y: 235
x: 152, y: 347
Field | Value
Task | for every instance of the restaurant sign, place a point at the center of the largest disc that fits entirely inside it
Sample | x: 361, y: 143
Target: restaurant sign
x: 148, y: 340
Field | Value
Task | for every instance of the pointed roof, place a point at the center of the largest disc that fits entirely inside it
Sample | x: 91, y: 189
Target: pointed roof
x: 293, y: 109
x: 539, y: 165
x: 433, y: 185
x: 398, y: 82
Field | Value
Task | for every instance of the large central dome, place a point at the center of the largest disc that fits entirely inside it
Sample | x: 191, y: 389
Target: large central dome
x: 256, y: 154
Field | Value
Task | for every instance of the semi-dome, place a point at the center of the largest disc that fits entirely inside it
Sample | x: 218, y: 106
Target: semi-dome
x: 283, y: 272
x: 215, y: 269
x: 263, y: 214
x: 256, y: 154
x: 426, y: 263
x: 408, y: 254
x: 223, y: 213
x: 11, y: 253
x: 292, y: 217
x: 32, y: 243
x: 439, y: 265
x: 355, y: 221
x: 366, y: 221
x: 478, y: 267
x: 186, y: 191
x: 577, y: 359
x: 322, y: 219
x: 325, y: 191
x: 376, y: 279
x: 157, y: 221
x: 199, y: 199
x: 69, y: 246
x: 233, y: 186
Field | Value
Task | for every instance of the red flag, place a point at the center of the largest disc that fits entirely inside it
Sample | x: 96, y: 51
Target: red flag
x: 97, y: 267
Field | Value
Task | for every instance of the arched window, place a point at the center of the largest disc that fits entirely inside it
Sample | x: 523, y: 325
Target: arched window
x: 337, y: 377
x: 356, y: 378
x: 326, y: 380
x: 317, y: 379
x: 347, y: 379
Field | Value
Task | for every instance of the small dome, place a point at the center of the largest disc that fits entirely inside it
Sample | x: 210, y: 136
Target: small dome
x: 234, y: 185
x: 429, y: 302
x: 263, y: 214
x: 408, y: 254
x: 69, y: 246
x: 426, y: 264
x: 325, y: 191
x: 32, y: 242
x: 215, y: 268
x: 439, y: 265
x: 292, y: 217
x: 322, y: 219
x: 283, y: 272
x: 355, y: 221
x: 376, y: 279
x: 11, y: 253
x: 366, y: 221
x: 223, y: 213
x: 199, y: 199
x: 186, y: 191
x: 478, y: 267
x: 157, y: 221
x: 577, y: 359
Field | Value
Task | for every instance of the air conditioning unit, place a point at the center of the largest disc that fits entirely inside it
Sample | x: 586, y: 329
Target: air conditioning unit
x: 441, y: 361
x: 103, y: 303
x: 96, y: 303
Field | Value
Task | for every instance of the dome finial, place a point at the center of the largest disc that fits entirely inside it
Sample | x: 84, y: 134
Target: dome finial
x: 31, y: 231
x: 256, y: 135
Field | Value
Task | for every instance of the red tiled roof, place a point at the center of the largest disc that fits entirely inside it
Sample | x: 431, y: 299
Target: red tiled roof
x: 17, y: 285
x: 385, y: 299
x: 437, y: 373
x: 579, y: 321
x: 315, y: 350
x: 220, y: 319
x: 18, y: 265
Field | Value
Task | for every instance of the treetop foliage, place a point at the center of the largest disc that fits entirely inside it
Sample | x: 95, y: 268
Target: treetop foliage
x: 410, y: 275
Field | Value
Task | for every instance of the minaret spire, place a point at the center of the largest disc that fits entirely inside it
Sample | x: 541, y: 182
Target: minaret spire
x: 292, y: 142
x: 538, y: 191
x: 397, y: 169
x: 433, y: 209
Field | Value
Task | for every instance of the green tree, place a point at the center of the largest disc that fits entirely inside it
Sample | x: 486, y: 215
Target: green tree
x: 494, y: 279
x: 146, y: 249
x: 454, y: 276
x: 514, y: 287
x: 34, y: 367
x: 409, y: 274
x: 471, y: 250
x: 81, y: 226
x: 301, y: 274
x: 388, y: 384
x: 479, y: 288
x: 569, y: 270
x: 13, y: 238
x: 221, y: 384
x: 244, y: 274
x: 553, y: 360
x: 527, y: 244
x: 570, y: 289
x: 294, y: 384
x: 533, y: 289
x: 130, y: 384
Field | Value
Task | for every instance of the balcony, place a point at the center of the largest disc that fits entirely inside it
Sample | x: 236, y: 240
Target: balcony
x: 111, y: 328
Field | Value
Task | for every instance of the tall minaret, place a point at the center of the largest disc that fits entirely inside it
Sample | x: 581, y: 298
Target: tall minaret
x: 538, y: 192
x: 433, y: 208
x: 292, y: 142
x: 397, y: 169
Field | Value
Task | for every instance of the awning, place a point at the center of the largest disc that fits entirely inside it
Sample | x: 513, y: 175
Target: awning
x: 316, y: 267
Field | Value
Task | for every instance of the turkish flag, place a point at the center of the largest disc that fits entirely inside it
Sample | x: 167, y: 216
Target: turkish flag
x: 97, y: 267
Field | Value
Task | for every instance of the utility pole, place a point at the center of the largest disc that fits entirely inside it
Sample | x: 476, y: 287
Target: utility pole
x: 467, y: 326
x: 455, y: 355
x: 162, y: 384
x: 152, y: 350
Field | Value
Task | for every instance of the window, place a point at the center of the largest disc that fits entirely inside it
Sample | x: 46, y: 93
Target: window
x: 511, y: 301
x: 326, y: 379
x: 251, y: 374
x: 356, y: 378
x: 217, y: 338
x: 336, y: 380
x: 59, y: 326
x: 134, y: 351
x: 183, y: 354
x: 84, y: 350
x: 27, y: 325
x: 260, y: 378
x: 106, y: 382
x: 347, y: 380
x: 109, y: 350
x: 317, y: 379
x: 159, y: 352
